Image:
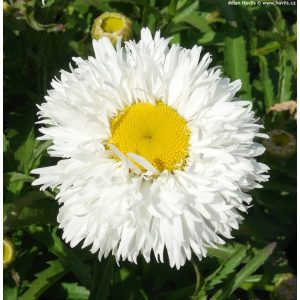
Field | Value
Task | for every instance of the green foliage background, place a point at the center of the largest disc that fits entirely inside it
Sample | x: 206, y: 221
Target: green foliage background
x: 253, y: 43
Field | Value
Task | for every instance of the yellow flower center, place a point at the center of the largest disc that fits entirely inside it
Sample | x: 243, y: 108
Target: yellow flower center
x: 112, y: 24
x: 155, y: 132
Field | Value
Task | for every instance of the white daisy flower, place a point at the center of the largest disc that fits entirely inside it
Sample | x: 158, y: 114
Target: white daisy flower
x: 156, y: 151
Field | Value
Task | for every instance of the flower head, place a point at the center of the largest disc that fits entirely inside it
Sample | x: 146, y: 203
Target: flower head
x: 156, y: 151
x: 113, y: 26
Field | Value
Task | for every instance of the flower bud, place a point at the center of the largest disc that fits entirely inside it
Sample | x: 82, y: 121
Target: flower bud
x: 281, y: 144
x: 286, y: 288
x: 111, y: 25
x: 6, y: 7
x: 8, y: 252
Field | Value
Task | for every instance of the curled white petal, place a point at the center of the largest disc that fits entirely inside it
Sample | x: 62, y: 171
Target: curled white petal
x: 144, y: 163
x: 129, y: 164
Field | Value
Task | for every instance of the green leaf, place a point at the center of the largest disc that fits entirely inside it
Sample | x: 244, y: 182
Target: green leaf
x: 14, y: 181
x: 224, y: 252
x: 150, y: 16
x: 235, y: 60
x: 15, y: 176
x: 75, y: 291
x: 267, y: 48
x: 22, y: 141
x: 272, y: 46
x: 201, y: 295
x: 185, y: 13
x: 34, y: 24
x: 260, y: 257
x: 172, y: 7
x: 211, y: 38
x: 274, y: 36
x: 198, y: 22
x: 38, y: 207
x: 237, y: 279
x: 80, y: 48
x: 25, y: 152
x: 45, y: 280
x: 175, y: 29
x: 38, y: 152
x: 285, y: 77
x: 10, y: 293
x: 102, y: 279
x: 266, y: 82
x: 43, y: 212
x: 69, y: 257
x: 262, y: 282
x: 227, y: 267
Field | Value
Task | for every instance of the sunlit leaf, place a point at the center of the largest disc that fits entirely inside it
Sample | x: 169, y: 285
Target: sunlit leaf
x: 44, y: 280
x: 75, y: 291
x: 237, y: 279
x: 235, y: 60
x: 266, y: 82
x: 197, y: 21
x: 186, y: 12
x: 285, y: 76
x: 227, y: 267
x: 70, y: 258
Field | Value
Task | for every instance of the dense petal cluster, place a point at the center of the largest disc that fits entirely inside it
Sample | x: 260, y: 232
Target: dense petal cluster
x: 112, y: 209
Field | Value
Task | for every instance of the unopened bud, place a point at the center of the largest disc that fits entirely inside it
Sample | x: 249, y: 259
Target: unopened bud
x: 111, y: 25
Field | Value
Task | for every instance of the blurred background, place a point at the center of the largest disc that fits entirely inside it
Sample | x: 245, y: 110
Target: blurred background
x: 254, y: 43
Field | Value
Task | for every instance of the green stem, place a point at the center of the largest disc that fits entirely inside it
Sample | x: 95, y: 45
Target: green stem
x: 102, y: 278
x: 198, y: 277
x: 200, y: 291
